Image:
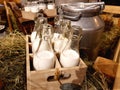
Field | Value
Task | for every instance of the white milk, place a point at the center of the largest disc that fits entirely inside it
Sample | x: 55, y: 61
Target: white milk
x: 27, y: 8
x: 42, y: 6
x: 34, y: 9
x: 64, y: 43
x: 59, y: 42
x: 51, y: 6
x: 55, y: 37
x: 58, y: 45
x: 69, y: 58
x: 44, y: 46
x: 43, y: 60
x: 40, y: 45
x: 33, y: 36
x: 35, y: 44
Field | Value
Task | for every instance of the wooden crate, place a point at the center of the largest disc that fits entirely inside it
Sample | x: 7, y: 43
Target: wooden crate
x: 28, y: 15
x: 44, y: 79
x: 47, y: 12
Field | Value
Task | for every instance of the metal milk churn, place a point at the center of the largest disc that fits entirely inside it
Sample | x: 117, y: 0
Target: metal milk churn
x: 86, y: 15
x: 58, y: 2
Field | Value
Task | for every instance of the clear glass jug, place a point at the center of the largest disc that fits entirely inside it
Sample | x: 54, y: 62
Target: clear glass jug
x: 69, y: 57
x: 36, y: 35
x: 44, y: 58
x: 61, y: 34
x: 39, y: 21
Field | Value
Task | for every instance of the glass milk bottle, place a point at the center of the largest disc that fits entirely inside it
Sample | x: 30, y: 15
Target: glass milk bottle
x: 69, y: 57
x: 38, y: 26
x: 51, y: 4
x: 36, y: 34
x: 59, y: 38
x: 42, y: 5
x: 58, y: 35
x: 44, y: 58
x: 67, y: 33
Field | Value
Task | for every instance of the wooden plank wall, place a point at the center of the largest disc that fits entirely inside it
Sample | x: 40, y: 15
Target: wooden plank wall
x: 112, y: 9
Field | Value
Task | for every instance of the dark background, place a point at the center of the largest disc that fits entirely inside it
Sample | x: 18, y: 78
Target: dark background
x: 112, y: 2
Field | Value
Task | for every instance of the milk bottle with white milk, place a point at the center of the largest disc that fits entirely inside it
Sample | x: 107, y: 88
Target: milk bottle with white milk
x: 60, y: 37
x: 36, y: 35
x: 44, y: 58
x: 39, y: 21
x: 70, y: 56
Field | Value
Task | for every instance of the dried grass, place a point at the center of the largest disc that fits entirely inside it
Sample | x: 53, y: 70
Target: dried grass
x: 12, y: 62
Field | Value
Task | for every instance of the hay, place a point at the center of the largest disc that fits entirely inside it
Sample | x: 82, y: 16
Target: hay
x: 12, y: 62
x: 110, y: 37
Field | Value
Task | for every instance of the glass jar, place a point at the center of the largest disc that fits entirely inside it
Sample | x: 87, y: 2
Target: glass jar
x: 44, y: 58
x: 42, y: 6
x: 36, y: 35
x: 51, y: 4
x: 61, y: 36
x: 58, y: 35
x: 69, y: 57
x: 39, y: 21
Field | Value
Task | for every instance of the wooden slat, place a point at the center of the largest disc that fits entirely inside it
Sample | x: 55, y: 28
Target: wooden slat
x: 112, y: 9
x: 50, y: 12
x: 106, y: 66
x: 117, y: 79
x: 27, y: 64
x: 117, y: 53
x: 117, y: 59
x: 8, y: 16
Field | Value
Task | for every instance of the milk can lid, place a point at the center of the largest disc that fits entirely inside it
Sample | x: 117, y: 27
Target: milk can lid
x: 83, y: 8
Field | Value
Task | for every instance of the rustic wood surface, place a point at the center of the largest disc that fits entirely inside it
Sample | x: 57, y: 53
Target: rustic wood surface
x: 112, y: 9
x: 8, y: 16
x: 117, y: 79
x: 106, y: 66
x: 117, y: 53
x: 117, y: 59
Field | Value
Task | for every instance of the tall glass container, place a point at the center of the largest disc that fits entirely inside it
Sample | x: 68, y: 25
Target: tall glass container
x: 39, y: 21
x: 44, y: 58
x: 69, y: 57
x: 61, y: 35
x: 36, y: 35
